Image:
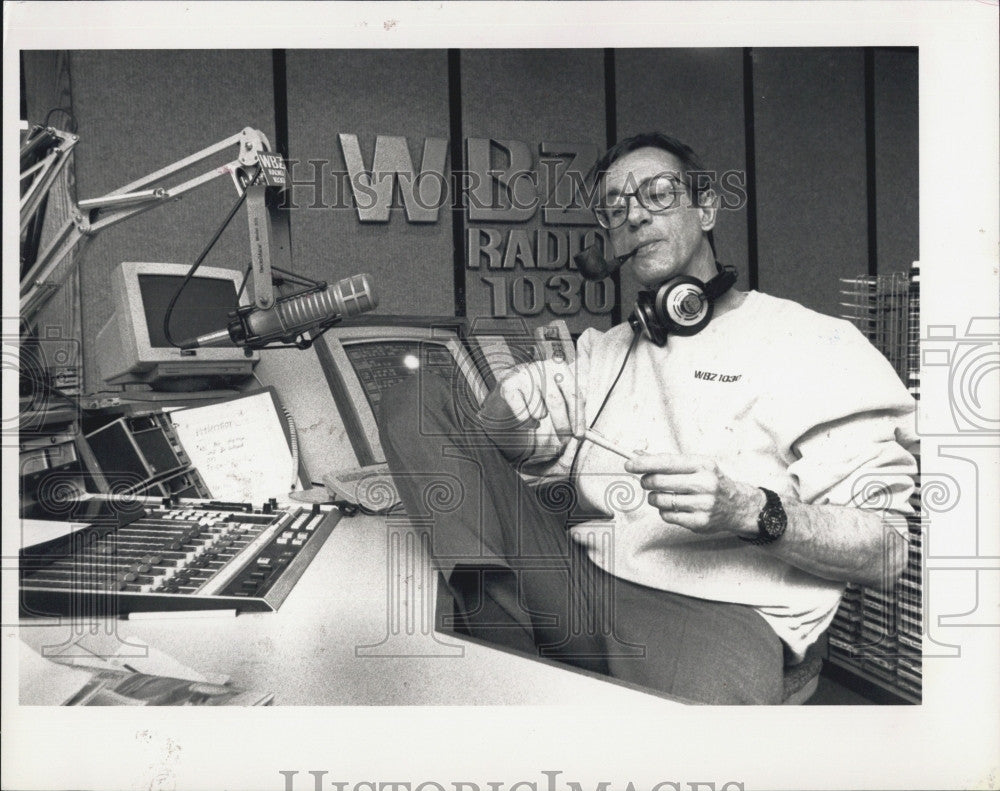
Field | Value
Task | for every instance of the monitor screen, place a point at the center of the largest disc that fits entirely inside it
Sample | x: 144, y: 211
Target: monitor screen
x: 363, y: 361
x: 380, y: 365
x: 203, y: 306
x: 131, y: 347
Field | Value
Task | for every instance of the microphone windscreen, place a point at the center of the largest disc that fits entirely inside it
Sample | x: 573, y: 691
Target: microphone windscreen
x: 592, y: 263
x: 355, y: 295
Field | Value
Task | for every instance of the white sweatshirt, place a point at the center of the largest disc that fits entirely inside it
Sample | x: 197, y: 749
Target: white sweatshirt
x: 779, y: 396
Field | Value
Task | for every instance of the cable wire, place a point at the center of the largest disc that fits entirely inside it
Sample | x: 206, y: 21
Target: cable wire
x: 604, y: 403
x: 293, y: 437
x: 201, y: 258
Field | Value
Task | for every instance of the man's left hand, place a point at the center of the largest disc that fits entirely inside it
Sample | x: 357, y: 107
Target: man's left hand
x: 693, y: 493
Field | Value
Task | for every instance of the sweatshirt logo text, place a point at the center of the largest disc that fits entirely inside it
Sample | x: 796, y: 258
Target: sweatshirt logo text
x: 711, y: 376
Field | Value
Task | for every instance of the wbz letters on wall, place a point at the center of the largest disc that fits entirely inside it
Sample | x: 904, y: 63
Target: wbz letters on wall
x: 524, y: 213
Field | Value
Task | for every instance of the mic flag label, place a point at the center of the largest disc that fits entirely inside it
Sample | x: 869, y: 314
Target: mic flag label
x: 273, y: 170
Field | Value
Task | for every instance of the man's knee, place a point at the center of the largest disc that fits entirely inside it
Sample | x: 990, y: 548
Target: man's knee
x: 698, y: 650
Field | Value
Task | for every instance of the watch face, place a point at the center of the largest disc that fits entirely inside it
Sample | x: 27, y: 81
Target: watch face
x: 772, y: 521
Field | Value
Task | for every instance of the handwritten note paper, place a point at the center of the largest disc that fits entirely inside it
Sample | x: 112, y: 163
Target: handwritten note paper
x: 239, y: 447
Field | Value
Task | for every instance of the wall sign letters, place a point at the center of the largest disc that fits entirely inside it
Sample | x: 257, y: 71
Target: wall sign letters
x: 526, y: 209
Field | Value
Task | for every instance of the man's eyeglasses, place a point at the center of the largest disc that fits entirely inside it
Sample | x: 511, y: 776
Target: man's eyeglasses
x: 655, y: 195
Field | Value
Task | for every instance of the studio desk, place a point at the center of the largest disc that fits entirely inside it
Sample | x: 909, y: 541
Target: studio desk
x: 357, y: 628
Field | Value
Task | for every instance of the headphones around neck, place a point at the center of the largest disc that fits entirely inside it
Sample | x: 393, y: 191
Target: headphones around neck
x: 681, y: 306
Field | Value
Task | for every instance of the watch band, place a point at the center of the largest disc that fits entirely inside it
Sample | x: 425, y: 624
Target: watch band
x: 771, y: 522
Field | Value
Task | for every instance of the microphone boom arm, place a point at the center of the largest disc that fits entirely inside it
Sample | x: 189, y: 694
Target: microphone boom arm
x: 252, y: 160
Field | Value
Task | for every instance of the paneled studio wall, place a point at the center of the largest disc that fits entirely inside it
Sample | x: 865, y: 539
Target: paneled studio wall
x: 825, y: 141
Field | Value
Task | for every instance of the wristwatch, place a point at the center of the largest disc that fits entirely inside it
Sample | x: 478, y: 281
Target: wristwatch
x: 771, y: 522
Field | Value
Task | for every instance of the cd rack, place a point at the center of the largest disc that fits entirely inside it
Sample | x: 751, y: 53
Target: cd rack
x: 877, y: 635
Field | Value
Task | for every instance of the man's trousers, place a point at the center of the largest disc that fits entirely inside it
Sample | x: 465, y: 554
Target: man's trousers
x: 520, y: 581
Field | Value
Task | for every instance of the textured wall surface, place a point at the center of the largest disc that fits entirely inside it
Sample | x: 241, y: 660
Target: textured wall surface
x: 827, y: 139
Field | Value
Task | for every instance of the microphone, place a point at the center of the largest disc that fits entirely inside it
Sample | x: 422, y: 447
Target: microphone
x: 594, y: 266
x: 253, y: 328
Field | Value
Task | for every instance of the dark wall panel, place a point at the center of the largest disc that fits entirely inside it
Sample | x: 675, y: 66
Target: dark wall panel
x: 46, y: 87
x: 534, y: 97
x: 896, y: 157
x: 809, y: 116
x: 369, y: 93
x: 139, y: 111
x: 695, y: 95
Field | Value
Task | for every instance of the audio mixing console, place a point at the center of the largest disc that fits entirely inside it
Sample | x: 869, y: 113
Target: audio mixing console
x: 159, y: 557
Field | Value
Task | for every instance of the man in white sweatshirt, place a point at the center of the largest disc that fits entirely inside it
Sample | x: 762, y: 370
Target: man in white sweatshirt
x: 770, y: 466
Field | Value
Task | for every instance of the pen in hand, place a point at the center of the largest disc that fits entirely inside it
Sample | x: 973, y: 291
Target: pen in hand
x: 590, y: 435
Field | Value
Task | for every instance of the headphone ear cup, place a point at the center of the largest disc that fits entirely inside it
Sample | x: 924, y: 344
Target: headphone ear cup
x: 644, y: 319
x: 682, y: 306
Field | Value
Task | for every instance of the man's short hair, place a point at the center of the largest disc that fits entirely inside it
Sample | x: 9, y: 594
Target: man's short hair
x: 691, y: 164
x: 695, y: 176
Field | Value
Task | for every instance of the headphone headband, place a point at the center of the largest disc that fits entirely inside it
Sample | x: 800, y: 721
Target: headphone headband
x: 722, y: 282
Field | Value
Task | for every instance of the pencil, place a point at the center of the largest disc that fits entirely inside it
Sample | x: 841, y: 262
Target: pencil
x: 607, y: 444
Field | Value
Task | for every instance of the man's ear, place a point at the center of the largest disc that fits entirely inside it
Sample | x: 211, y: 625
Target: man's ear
x: 708, y: 209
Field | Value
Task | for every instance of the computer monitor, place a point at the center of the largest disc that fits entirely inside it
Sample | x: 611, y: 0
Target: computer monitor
x: 131, y: 347
x: 365, y: 357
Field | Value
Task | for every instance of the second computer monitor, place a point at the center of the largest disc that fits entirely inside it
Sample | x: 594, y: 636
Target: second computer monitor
x: 367, y: 357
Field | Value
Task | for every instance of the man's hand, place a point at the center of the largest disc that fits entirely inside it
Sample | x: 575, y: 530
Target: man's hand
x: 534, y: 410
x: 691, y: 492
x: 543, y: 392
x: 835, y: 542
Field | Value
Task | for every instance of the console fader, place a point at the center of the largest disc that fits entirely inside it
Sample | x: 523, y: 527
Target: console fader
x: 199, y: 555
